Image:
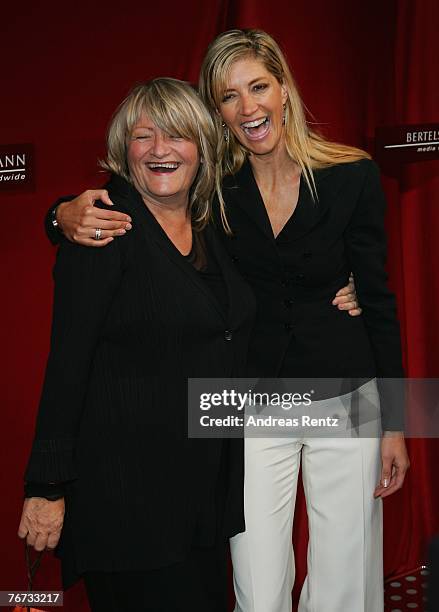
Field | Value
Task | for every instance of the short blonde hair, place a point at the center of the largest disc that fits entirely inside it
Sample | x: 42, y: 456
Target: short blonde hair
x: 306, y: 147
x: 175, y: 107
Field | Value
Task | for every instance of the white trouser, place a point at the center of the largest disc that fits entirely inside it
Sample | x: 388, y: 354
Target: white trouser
x: 345, y: 565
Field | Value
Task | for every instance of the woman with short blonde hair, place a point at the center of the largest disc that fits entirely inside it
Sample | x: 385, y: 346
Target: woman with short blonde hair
x: 176, y: 108
x: 148, y: 511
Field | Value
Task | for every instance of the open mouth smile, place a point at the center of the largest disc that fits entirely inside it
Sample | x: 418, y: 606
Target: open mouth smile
x: 163, y: 167
x: 257, y: 129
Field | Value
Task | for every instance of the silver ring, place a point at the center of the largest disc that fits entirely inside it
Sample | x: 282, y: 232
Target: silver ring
x: 98, y: 233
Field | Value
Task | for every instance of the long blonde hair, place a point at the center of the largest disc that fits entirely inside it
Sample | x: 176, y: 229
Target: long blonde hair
x: 305, y: 146
x: 176, y: 108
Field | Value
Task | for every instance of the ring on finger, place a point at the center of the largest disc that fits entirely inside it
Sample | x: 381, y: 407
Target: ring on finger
x: 98, y: 233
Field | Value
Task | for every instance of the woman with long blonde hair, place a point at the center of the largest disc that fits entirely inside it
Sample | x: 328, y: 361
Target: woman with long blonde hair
x: 300, y: 213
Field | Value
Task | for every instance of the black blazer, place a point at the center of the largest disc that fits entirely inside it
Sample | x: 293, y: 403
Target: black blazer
x: 298, y: 332
x: 131, y: 323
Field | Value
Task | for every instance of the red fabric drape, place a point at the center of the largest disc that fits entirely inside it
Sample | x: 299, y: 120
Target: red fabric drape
x: 64, y: 70
x: 411, y: 517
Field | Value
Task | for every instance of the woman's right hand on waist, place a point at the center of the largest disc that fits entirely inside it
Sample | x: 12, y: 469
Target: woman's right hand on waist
x: 41, y: 522
x: 79, y: 219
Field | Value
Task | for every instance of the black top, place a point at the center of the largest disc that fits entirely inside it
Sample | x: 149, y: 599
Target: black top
x: 204, y: 261
x: 211, y: 275
x: 298, y: 332
x: 131, y: 323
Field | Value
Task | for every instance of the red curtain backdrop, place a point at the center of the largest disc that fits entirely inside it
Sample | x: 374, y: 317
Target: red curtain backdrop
x: 65, y: 68
x: 409, y: 94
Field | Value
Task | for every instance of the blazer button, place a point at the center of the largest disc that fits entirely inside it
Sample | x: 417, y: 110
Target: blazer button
x: 234, y: 258
x: 300, y: 278
x: 288, y: 303
x: 285, y: 282
x: 288, y: 327
x: 228, y: 335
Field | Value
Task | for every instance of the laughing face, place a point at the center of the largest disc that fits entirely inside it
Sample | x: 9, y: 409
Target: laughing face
x: 162, y: 166
x: 252, y: 106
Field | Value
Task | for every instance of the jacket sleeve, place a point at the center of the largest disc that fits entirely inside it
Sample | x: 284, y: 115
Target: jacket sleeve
x: 365, y: 240
x: 55, y: 235
x: 85, y: 282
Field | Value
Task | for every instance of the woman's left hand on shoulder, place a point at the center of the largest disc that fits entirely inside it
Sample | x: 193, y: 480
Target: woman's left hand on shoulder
x: 395, y: 463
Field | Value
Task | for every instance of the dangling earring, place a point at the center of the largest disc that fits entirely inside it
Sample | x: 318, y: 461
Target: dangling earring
x: 225, y: 131
x: 284, y: 114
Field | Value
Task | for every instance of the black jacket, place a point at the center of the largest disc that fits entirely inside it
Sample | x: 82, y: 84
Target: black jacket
x: 298, y: 332
x: 131, y: 323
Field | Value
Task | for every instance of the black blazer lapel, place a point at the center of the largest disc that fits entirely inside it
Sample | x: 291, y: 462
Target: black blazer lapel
x: 309, y: 212
x: 132, y: 201
x: 242, y: 190
x: 232, y: 279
